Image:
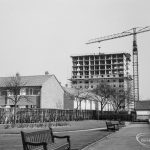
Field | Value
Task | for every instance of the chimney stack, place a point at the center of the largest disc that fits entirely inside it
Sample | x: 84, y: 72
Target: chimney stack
x: 17, y: 74
x: 46, y: 73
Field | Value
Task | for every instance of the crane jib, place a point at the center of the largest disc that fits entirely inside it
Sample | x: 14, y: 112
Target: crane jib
x: 119, y: 35
x: 134, y: 32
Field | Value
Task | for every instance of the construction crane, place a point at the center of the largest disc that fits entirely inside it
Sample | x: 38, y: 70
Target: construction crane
x: 134, y: 32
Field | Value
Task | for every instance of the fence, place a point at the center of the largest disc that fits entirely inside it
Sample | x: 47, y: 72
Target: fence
x: 52, y: 115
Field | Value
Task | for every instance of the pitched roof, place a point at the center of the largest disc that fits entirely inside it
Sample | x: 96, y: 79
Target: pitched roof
x: 71, y: 91
x: 143, y: 105
x: 80, y: 93
x: 36, y: 80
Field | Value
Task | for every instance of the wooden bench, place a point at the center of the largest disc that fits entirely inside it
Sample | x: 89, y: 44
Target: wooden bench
x: 112, y: 125
x: 44, y: 140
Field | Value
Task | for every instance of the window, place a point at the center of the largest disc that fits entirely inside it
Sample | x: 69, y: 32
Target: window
x: 10, y: 93
x: 36, y: 91
x: 27, y: 91
x: 74, y: 82
x: 92, y: 72
x: 3, y: 93
x: 121, y: 85
x: 121, y: 80
x: 92, y: 63
x: 23, y: 91
x: 32, y: 91
x: 86, y: 82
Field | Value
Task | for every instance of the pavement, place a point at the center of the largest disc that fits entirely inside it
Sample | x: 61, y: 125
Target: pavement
x: 124, y: 139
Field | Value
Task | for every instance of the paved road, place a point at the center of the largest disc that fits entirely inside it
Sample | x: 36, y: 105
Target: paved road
x: 125, y: 139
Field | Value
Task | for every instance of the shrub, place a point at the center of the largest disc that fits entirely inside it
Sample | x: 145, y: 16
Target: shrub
x: 6, y: 126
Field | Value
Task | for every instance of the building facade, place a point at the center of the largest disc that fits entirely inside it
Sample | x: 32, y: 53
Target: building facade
x: 90, y: 69
x: 80, y: 101
x: 42, y: 91
x: 143, y: 110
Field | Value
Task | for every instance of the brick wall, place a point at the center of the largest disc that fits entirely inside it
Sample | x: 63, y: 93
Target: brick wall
x: 68, y: 101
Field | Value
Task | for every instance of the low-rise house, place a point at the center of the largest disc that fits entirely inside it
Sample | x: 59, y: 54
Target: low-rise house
x: 43, y: 91
x: 143, y: 110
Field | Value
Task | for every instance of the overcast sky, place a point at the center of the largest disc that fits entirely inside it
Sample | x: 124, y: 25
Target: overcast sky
x: 41, y: 35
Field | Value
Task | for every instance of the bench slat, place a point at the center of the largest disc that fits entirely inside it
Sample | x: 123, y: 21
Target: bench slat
x: 40, y: 140
x: 112, y: 126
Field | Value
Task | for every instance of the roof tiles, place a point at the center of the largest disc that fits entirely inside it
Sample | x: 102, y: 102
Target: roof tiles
x: 143, y: 105
x: 37, y: 80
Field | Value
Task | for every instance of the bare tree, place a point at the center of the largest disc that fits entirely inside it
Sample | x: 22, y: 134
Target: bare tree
x: 121, y: 99
x: 59, y: 105
x: 81, y: 95
x: 102, y: 94
x: 12, y: 87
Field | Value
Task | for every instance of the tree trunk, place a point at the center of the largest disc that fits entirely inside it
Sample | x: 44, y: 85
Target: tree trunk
x: 14, y: 121
x: 101, y: 108
x: 117, y: 110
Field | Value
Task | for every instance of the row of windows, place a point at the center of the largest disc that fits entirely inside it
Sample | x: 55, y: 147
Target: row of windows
x: 114, y: 56
x: 23, y: 91
x: 86, y: 87
x: 32, y: 91
x: 87, y: 63
x: 86, y: 82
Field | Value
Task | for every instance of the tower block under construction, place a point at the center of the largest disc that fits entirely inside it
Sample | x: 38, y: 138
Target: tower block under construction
x: 89, y: 69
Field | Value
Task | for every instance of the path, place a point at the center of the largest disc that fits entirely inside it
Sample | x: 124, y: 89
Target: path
x: 124, y: 139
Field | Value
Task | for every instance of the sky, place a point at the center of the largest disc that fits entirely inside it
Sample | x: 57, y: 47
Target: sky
x: 41, y: 35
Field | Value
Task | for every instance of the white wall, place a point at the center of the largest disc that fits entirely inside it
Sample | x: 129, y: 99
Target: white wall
x: 88, y: 105
x: 143, y: 112
x: 52, y: 94
x: 142, y: 115
x: 91, y: 105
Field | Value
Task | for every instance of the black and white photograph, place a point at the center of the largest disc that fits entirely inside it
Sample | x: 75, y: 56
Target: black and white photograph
x: 74, y: 75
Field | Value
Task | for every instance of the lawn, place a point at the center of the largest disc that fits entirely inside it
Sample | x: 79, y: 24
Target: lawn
x: 82, y: 139
x: 79, y: 139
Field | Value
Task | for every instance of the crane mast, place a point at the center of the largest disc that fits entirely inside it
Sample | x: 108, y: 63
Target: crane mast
x: 135, y: 68
x: 134, y: 32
